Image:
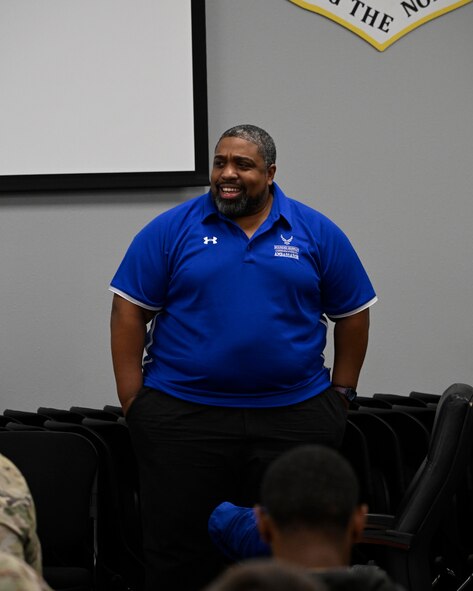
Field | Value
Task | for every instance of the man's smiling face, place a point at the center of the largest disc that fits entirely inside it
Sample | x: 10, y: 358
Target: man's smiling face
x: 240, y: 180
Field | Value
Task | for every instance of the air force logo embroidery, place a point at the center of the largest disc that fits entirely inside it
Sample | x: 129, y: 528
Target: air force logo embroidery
x: 286, y: 250
x: 208, y: 240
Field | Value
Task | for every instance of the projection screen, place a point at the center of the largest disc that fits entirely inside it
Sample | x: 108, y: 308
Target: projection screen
x: 102, y: 94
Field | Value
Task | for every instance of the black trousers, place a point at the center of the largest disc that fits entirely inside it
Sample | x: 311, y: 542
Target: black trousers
x: 192, y: 457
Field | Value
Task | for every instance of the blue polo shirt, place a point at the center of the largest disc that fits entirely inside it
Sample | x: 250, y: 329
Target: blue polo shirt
x: 241, y: 322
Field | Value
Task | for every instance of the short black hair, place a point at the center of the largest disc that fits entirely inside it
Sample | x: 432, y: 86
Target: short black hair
x: 310, y: 486
x: 256, y: 135
x: 265, y: 575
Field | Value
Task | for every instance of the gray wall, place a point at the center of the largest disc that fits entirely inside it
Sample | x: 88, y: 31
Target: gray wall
x: 380, y: 142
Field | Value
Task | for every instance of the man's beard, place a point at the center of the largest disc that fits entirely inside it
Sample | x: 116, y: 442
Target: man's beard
x: 239, y: 206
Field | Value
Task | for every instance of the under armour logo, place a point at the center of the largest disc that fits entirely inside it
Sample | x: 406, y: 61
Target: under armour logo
x: 213, y: 240
x: 286, y: 241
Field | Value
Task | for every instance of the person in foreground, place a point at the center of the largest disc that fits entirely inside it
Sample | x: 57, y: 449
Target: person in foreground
x: 18, y: 535
x: 267, y: 575
x: 20, y: 548
x: 309, y: 516
x: 236, y: 286
x: 17, y: 575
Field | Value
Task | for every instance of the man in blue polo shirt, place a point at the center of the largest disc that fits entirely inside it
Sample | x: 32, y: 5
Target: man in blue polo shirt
x: 236, y: 287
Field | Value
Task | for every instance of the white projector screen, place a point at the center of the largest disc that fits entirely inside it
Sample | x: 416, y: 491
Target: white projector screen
x: 102, y: 94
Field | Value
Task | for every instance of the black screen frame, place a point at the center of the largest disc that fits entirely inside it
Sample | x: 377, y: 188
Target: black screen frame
x: 135, y: 180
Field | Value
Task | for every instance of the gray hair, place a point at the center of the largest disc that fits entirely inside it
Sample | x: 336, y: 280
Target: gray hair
x: 256, y: 135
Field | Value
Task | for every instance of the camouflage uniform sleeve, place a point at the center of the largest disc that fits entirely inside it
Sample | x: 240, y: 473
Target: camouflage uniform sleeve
x: 17, y: 516
x: 16, y: 575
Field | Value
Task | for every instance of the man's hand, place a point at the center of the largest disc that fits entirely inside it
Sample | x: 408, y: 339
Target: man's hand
x: 127, y: 403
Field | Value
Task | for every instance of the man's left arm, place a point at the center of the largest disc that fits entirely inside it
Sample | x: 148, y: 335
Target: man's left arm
x: 350, y: 344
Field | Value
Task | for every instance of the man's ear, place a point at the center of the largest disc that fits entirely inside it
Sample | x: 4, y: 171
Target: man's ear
x: 264, y: 524
x: 271, y: 171
x: 358, y: 522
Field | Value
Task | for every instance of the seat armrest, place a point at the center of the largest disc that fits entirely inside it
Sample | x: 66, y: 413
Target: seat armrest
x: 378, y: 530
x: 388, y: 537
x: 379, y: 521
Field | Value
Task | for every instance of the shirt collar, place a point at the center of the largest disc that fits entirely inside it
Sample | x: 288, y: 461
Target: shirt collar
x: 208, y: 207
x: 280, y: 207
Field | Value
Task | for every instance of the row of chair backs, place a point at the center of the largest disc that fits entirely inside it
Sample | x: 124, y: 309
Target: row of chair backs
x: 118, y: 552
x: 410, y: 458
x: 386, y: 442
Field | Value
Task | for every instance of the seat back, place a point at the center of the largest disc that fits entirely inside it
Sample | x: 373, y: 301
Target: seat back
x: 58, y: 414
x: 425, y: 397
x: 370, y: 402
x: 412, y: 436
x: 444, y: 467
x: 386, y: 471
x: 126, y: 480
x: 355, y: 449
x: 114, y: 409
x: 24, y: 417
x: 94, y: 413
x: 119, y: 561
x: 399, y: 399
x: 60, y: 470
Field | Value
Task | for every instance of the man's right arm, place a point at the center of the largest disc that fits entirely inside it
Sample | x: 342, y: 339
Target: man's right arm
x: 128, y: 333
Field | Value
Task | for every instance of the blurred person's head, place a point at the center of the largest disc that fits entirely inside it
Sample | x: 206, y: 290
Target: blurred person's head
x: 265, y: 575
x: 310, y: 513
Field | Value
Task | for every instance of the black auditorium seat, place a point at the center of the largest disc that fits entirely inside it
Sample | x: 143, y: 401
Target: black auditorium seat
x: 116, y: 436
x: 60, y: 469
x: 355, y: 450
x: 387, y: 472
x: 412, y: 436
x: 403, y: 543
x: 119, y: 559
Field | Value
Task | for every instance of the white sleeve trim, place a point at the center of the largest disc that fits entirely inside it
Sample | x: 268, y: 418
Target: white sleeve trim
x: 125, y: 296
x: 352, y: 312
